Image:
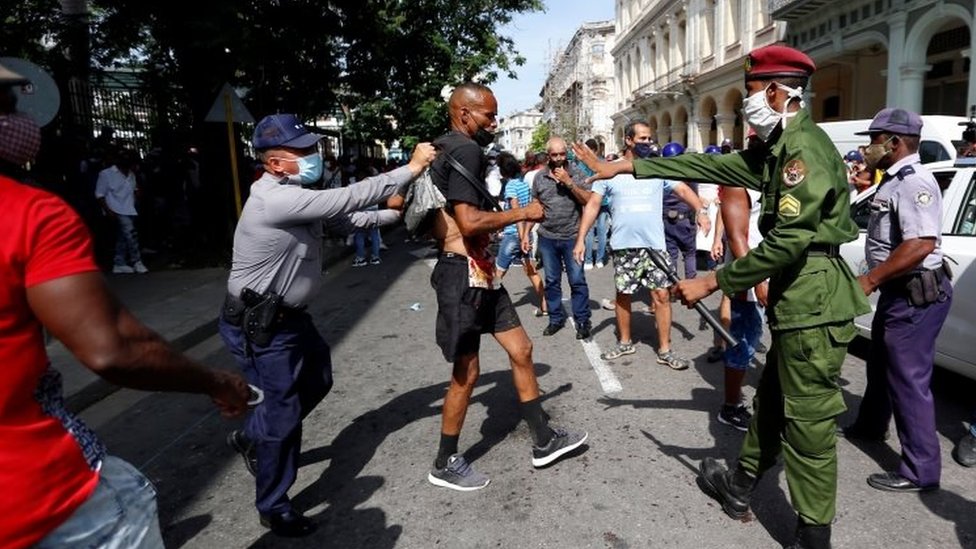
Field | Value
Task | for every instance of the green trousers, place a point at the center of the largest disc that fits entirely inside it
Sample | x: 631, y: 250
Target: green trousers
x: 796, y: 409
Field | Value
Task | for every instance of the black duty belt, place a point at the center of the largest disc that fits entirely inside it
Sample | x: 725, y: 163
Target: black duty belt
x: 829, y: 250
x: 234, y: 308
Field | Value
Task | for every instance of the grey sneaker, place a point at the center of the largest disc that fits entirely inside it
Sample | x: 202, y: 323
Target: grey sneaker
x: 735, y: 416
x: 359, y: 262
x: 621, y: 350
x: 561, y: 443
x: 458, y: 475
x: 672, y: 361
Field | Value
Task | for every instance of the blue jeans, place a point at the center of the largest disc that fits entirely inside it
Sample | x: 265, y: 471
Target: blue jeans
x: 509, y: 249
x: 598, y: 233
x: 557, y: 254
x: 120, y: 514
x: 126, y: 241
x: 374, y: 240
x: 295, y: 372
x: 747, y: 328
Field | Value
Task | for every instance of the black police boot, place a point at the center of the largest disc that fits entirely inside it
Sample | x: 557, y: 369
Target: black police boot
x: 732, y: 489
x: 811, y: 537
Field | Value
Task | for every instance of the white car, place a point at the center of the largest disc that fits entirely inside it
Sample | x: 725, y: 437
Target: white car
x: 954, y: 349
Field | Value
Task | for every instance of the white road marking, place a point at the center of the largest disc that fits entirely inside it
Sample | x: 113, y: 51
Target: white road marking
x: 604, y: 374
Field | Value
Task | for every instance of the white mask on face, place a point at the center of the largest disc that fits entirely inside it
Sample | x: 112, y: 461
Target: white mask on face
x: 762, y: 117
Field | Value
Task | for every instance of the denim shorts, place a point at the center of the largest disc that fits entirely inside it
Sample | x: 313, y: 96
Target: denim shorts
x: 747, y: 328
x: 509, y: 249
x: 120, y: 514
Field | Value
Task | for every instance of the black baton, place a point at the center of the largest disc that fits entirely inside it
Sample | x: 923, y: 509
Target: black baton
x: 662, y: 264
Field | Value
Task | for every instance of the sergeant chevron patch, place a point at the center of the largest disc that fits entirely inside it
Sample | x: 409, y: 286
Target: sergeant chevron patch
x: 789, y: 206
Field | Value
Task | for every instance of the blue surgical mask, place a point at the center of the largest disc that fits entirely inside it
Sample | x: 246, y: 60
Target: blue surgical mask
x: 309, y: 169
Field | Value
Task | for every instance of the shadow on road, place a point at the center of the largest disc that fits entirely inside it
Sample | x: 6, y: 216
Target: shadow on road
x: 342, y: 524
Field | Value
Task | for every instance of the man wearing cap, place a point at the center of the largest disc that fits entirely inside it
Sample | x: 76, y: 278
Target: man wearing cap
x: 904, y: 255
x: 275, y: 273
x: 813, y: 296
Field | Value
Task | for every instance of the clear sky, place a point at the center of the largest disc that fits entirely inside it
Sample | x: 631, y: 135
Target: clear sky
x: 538, y: 36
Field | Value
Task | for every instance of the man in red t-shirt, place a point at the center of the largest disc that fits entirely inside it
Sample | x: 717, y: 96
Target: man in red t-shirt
x: 60, y: 488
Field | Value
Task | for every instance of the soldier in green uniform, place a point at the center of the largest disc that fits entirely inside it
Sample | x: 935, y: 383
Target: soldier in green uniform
x: 813, y: 296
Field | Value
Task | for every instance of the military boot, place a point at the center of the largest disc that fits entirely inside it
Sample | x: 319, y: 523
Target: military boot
x: 731, y: 488
x: 811, y: 537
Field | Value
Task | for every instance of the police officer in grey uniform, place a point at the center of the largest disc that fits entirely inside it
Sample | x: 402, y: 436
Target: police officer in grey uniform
x: 275, y: 273
x: 904, y: 255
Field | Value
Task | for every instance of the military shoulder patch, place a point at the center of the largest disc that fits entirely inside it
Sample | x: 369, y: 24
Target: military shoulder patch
x: 794, y: 172
x: 789, y: 206
x: 923, y: 199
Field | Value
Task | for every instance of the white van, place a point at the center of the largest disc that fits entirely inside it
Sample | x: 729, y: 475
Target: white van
x: 941, y: 136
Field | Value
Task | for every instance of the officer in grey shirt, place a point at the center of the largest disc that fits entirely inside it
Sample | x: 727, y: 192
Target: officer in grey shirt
x: 904, y: 255
x: 276, y: 271
x: 562, y: 194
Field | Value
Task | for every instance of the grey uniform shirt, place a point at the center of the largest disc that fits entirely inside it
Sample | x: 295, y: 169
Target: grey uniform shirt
x: 562, y: 211
x: 907, y: 205
x: 278, y: 240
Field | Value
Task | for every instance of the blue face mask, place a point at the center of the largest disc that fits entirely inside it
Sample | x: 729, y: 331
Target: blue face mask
x: 309, y: 170
x: 643, y: 150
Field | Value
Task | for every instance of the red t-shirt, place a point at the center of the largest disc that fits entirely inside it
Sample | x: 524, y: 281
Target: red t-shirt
x: 44, y: 473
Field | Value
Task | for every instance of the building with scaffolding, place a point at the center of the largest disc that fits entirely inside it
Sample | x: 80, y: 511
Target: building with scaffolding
x: 579, y: 95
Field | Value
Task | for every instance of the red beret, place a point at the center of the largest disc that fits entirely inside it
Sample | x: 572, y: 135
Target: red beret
x: 777, y: 61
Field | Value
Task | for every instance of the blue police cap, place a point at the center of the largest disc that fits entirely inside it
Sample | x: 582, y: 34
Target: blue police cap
x: 896, y: 121
x: 283, y: 130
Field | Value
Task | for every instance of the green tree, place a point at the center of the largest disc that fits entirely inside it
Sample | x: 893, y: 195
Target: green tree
x: 540, y: 135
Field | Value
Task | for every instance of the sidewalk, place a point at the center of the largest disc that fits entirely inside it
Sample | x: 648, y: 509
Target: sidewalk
x: 181, y: 305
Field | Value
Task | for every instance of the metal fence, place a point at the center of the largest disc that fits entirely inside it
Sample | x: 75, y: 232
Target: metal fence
x: 121, y: 101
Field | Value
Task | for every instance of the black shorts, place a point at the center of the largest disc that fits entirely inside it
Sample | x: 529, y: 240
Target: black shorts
x: 464, y: 313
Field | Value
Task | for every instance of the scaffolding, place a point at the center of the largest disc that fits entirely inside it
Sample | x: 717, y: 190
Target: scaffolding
x: 577, y: 83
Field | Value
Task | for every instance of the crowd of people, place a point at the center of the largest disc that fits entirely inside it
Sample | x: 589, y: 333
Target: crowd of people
x: 784, y: 210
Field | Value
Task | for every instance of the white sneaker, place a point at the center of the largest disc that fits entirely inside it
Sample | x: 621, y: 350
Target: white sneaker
x: 140, y: 268
x: 123, y: 269
x: 588, y: 266
x: 599, y: 265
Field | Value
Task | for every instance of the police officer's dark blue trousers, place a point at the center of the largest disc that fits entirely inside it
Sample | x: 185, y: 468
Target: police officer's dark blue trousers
x: 681, y: 238
x: 295, y: 372
x: 899, y: 372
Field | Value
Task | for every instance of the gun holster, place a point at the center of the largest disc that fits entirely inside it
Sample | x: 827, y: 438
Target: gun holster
x: 260, y: 317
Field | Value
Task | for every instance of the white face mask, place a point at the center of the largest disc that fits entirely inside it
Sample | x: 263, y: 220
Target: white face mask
x: 762, y: 117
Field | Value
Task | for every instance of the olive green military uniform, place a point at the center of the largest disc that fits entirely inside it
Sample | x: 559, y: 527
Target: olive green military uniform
x: 813, y: 299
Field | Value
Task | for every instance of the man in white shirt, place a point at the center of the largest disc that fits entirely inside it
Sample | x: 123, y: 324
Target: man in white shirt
x: 116, y: 192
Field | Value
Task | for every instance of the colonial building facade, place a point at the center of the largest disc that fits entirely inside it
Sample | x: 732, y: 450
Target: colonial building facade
x: 870, y: 54
x: 579, y: 95
x: 678, y: 63
x: 515, y: 131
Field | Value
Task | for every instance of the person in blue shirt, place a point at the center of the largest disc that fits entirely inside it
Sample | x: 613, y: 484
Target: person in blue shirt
x: 517, y: 194
x: 638, y: 227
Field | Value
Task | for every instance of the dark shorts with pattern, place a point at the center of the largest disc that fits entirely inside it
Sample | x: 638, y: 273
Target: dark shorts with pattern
x: 465, y: 313
x: 633, y: 269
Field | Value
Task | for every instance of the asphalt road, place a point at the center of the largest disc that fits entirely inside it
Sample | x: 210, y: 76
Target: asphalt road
x: 367, y: 448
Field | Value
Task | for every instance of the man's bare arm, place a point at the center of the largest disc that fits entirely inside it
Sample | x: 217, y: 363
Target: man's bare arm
x: 471, y: 221
x: 81, y: 312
